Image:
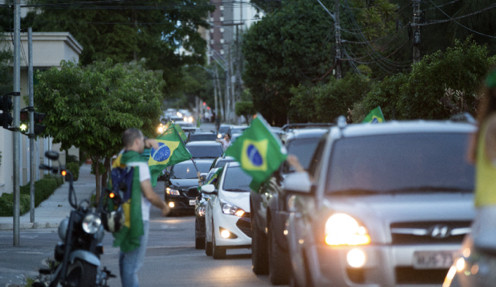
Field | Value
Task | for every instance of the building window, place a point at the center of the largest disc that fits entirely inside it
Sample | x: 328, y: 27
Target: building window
x: 222, y: 30
x: 221, y: 19
x: 222, y: 52
x: 222, y: 41
x: 221, y: 7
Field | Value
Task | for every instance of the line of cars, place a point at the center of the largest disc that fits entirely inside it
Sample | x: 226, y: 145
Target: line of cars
x: 365, y: 205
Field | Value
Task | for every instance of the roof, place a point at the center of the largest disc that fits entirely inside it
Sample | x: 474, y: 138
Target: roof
x: 203, y: 143
x: 397, y: 127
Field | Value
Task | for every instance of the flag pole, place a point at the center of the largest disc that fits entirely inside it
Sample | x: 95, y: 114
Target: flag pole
x: 181, y: 139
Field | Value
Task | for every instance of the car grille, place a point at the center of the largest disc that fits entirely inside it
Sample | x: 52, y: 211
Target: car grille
x: 406, y: 233
x: 407, y: 275
x: 244, y: 224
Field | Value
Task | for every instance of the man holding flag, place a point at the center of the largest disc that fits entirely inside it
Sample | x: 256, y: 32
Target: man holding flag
x: 132, y: 238
x: 258, y: 151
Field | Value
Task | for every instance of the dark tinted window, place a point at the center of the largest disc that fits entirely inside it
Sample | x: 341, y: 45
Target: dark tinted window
x: 236, y: 179
x: 202, y: 137
x: 207, y: 151
x: 303, y: 149
x: 401, y: 163
x: 186, y: 169
x: 222, y: 162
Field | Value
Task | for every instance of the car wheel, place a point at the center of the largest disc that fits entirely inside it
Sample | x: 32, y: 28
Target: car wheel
x: 199, y: 241
x: 278, y: 261
x: 217, y: 252
x: 259, y: 258
x: 208, y: 247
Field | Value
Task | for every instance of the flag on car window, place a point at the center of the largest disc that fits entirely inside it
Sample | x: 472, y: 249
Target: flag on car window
x: 375, y: 116
x: 258, y: 151
x: 171, y: 151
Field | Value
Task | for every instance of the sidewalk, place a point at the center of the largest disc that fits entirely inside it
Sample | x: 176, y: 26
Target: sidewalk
x: 51, y: 211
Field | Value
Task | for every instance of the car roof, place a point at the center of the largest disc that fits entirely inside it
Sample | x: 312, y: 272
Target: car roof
x: 197, y: 160
x: 398, y: 127
x: 203, y: 143
x: 305, y: 133
x: 232, y: 164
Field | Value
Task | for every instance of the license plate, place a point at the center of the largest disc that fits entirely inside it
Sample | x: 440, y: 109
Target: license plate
x: 192, y: 201
x: 432, y: 259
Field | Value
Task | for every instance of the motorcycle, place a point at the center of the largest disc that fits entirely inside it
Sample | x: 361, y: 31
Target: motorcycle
x: 77, y: 255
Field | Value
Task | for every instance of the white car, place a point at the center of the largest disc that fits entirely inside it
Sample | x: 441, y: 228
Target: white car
x: 227, y: 216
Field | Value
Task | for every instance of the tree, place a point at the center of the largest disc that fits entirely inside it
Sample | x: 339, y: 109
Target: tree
x: 292, y: 45
x: 130, y: 30
x: 245, y: 109
x: 89, y: 107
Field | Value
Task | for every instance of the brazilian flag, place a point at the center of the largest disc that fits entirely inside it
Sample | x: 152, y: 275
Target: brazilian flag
x: 258, y: 151
x: 171, y: 150
x: 375, y: 116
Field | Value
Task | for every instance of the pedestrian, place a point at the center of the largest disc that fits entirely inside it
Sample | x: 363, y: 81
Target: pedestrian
x: 130, y: 261
x: 226, y: 141
x: 483, y: 146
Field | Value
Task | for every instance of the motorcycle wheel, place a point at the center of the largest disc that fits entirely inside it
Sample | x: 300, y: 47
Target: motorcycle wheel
x: 81, y: 274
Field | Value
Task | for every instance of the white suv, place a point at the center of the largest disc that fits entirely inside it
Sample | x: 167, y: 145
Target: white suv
x: 381, y: 205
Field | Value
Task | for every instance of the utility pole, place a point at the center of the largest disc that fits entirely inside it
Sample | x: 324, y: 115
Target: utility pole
x: 416, y: 30
x: 17, y: 119
x: 32, y: 169
x: 337, y: 28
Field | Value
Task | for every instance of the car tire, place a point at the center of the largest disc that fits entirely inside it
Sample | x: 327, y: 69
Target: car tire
x: 199, y: 241
x: 208, y: 247
x: 278, y: 261
x: 217, y: 252
x: 259, y: 256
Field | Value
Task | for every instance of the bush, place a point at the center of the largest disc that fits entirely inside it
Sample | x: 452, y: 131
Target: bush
x: 73, y: 167
x: 43, y: 189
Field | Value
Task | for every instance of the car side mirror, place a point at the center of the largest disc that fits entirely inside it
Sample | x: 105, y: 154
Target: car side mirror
x: 208, y: 189
x: 298, y: 183
x: 53, y: 155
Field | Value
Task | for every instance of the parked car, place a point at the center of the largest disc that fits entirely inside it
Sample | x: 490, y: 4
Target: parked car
x: 269, y: 210
x: 205, y: 149
x: 227, y: 217
x: 181, y: 184
x: 381, y: 205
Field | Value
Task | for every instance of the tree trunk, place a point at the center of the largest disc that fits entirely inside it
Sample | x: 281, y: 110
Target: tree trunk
x: 96, y: 165
x: 105, y: 173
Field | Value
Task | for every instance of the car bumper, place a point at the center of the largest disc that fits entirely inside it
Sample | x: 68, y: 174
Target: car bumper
x: 384, y: 266
x: 239, y: 227
x: 181, y: 203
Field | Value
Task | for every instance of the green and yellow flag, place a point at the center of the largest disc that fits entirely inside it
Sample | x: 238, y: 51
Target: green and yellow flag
x: 171, y: 151
x: 375, y: 116
x: 258, y: 151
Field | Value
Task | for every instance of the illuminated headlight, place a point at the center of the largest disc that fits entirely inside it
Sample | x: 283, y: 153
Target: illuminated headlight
x: 231, y: 209
x: 64, y: 224
x: 171, y: 191
x: 190, y: 119
x: 342, y: 229
x: 219, y: 136
x: 91, y: 223
x: 160, y: 129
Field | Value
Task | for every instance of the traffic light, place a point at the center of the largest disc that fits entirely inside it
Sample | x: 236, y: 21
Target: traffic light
x: 38, y: 119
x: 5, y: 109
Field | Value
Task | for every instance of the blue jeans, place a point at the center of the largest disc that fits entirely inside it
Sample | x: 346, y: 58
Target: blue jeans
x: 130, y: 262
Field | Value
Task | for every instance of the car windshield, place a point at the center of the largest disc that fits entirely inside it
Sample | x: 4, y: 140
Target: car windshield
x: 205, y: 151
x: 187, y: 170
x: 236, y: 179
x: 303, y: 149
x: 223, y: 129
x: 401, y: 163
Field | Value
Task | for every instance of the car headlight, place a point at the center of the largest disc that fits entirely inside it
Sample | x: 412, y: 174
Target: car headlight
x: 91, y: 223
x: 231, y: 209
x: 201, y: 210
x: 342, y: 229
x: 171, y: 191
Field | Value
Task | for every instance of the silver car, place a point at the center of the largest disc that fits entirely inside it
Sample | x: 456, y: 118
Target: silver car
x: 381, y: 205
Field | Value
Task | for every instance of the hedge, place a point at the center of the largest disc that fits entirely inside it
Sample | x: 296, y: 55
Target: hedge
x: 43, y: 189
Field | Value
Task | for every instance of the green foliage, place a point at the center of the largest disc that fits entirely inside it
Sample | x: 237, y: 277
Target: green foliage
x: 74, y: 168
x: 443, y: 84
x: 324, y: 103
x: 291, y: 46
x: 43, y: 189
x: 129, y: 30
x: 245, y: 109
